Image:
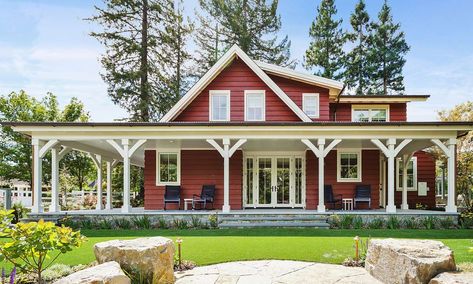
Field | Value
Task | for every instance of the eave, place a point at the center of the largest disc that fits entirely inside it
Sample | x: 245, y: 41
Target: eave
x: 383, y: 99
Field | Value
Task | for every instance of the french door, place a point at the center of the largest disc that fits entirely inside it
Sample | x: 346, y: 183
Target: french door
x: 274, y: 181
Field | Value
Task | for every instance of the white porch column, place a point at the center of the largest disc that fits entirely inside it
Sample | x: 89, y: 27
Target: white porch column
x: 126, y: 152
x: 391, y: 151
x: 54, y: 206
x: 226, y: 152
x: 406, y: 158
x: 110, y: 166
x: 449, y: 150
x: 320, y: 153
x: 98, y: 164
x: 38, y: 153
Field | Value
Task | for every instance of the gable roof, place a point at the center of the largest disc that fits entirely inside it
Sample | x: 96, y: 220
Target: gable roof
x: 223, y: 62
x: 334, y: 86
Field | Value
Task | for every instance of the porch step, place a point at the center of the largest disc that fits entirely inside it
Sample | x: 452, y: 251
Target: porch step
x: 273, y: 220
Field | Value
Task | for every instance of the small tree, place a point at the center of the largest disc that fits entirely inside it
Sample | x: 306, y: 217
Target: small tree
x: 29, y: 246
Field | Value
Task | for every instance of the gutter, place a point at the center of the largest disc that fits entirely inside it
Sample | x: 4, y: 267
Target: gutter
x: 338, y: 101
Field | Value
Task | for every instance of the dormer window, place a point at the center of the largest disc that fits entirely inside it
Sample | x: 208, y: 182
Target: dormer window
x: 370, y: 113
x: 219, y: 105
x: 254, y: 105
x: 310, y: 105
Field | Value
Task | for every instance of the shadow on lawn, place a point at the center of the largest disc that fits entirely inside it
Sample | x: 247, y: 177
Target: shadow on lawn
x: 280, y: 232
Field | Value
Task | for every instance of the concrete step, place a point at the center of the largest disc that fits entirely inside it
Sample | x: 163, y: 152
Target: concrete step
x: 317, y: 225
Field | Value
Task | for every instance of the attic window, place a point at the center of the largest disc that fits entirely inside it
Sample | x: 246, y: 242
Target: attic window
x: 370, y: 113
x: 219, y: 109
x: 310, y: 105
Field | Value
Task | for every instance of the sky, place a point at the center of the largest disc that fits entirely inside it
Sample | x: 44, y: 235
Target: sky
x: 45, y: 47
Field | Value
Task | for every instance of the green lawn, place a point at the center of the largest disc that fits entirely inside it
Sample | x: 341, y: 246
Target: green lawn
x: 214, y: 246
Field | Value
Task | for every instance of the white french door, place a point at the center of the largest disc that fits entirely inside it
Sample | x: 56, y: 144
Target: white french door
x: 274, y: 181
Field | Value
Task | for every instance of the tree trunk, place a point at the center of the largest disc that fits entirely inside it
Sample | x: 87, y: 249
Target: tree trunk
x: 144, y: 90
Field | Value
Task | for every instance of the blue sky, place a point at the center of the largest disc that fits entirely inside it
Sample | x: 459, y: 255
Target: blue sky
x: 44, y: 46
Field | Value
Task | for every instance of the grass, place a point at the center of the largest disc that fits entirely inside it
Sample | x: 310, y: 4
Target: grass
x: 214, y: 246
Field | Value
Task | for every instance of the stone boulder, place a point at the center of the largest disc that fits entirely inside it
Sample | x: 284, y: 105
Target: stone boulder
x: 150, y: 257
x: 453, y: 278
x: 408, y: 261
x: 105, y: 273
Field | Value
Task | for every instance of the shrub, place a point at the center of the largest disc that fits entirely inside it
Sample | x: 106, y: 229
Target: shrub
x: 334, y: 221
x: 446, y: 223
x: 410, y: 223
x: 87, y: 224
x: 105, y: 224
x: 28, y: 246
x: 376, y: 223
x: 430, y: 222
x: 393, y: 223
x: 162, y: 223
x: 19, y: 212
x: 122, y: 223
x: 180, y: 224
x: 213, y: 221
x: 466, y: 220
x: 142, y: 222
x: 346, y: 221
x: 357, y: 222
x: 196, y: 223
x: 57, y: 271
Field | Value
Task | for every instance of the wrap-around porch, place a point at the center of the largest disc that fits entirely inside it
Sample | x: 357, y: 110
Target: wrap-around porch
x: 310, y: 149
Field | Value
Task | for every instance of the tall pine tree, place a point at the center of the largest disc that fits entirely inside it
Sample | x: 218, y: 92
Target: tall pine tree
x: 325, y: 52
x: 251, y: 24
x: 357, y: 73
x: 387, y: 55
x: 140, y: 58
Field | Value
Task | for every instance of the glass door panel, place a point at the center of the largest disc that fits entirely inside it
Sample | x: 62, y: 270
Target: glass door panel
x: 249, y: 180
x: 282, y: 180
x: 298, y: 181
x: 264, y: 180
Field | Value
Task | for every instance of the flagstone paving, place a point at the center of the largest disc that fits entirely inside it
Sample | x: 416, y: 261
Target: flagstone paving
x: 274, y: 271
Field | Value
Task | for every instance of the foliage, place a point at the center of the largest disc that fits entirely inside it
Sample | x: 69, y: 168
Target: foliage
x: 19, y: 212
x: 430, y: 222
x: 420, y: 206
x: 213, y: 221
x: 79, y: 166
x: 180, y: 224
x: 334, y: 221
x: 57, y: 271
x: 446, y: 223
x: 357, y: 73
x: 162, y: 223
x: 142, y: 222
x: 196, y: 223
x: 410, y: 223
x: 15, y: 148
x: 346, y: 221
x: 29, y: 245
x: 253, y: 25
x: 466, y: 220
x: 145, y: 48
x: 11, y: 278
x: 357, y: 222
x: 325, y: 52
x: 376, y: 223
x: 464, y: 175
x: 387, y: 54
x: 393, y: 223
x: 122, y: 223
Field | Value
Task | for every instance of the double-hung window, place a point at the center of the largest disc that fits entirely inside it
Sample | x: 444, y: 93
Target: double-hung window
x: 254, y: 105
x: 219, y: 105
x: 168, y: 170
x: 375, y: 113
x: 411, y: 174
x: 310, y: 105
x: 348, y: 166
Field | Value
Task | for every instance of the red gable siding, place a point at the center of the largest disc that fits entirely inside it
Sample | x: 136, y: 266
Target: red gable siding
x: 397, y: 111
x: 198, y: 167
x: 237, y: 78
x: 295, y: 89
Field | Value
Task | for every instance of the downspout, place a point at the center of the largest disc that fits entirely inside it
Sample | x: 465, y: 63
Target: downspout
x: 336, y: 104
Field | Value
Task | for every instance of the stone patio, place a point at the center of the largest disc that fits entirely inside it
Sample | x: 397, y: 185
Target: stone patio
x: 274, y: 271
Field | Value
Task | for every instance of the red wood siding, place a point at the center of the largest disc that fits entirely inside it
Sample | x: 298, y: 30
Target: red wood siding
x: 295, y: 89
x: 369, y: 173
x: 425, y: 173
x: 198, y: 167
x: 237, y: 78
x: 397, y: 112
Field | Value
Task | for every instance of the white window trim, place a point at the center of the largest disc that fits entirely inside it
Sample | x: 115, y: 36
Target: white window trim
x: 369, y: 108
x: 317, y: 95
x: 257, y: 92
x: 219, y: 92
x: 168, y: 151
x: 359, y: 164
x: 414, y: 169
